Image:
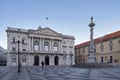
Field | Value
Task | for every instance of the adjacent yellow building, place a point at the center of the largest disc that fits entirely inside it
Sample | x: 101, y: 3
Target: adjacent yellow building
x: 107, y: 49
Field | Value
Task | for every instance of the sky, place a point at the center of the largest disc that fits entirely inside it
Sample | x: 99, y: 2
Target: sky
x: 70, y: 17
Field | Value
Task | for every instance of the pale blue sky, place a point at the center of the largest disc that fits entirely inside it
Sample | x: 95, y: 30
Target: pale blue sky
x: 70, y: 17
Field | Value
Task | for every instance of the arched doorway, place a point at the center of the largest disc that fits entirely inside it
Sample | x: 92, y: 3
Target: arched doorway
x: 56, y: 59
x: 36, y: 60
x: 46, y: 60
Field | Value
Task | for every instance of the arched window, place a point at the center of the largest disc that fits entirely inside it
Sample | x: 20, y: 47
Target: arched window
x: 55, y: 46
x: 36, y: 45
x: 24, y: 59
x: 46, y: 45
x: 13, y: 59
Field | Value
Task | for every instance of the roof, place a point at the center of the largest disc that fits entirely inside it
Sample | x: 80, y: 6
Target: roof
x: 40, y: 31
x: 100, y: 39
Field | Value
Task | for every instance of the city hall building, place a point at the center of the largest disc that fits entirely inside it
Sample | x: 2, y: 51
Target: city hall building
x: 35, y: 46
x: 107, y: 49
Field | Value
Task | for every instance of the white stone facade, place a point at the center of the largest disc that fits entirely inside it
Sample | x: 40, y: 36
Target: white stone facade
x: 42, y: 44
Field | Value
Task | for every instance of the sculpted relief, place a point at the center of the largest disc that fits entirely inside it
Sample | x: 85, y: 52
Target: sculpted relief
x: 47, y: 31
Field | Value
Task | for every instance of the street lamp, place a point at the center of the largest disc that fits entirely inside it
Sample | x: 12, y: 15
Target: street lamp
x: 19, y: 65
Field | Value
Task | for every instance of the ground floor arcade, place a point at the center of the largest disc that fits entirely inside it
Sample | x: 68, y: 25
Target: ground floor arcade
x: 36, y: 59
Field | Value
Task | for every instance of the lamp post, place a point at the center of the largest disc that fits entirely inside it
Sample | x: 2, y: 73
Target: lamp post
x: 19, y: 65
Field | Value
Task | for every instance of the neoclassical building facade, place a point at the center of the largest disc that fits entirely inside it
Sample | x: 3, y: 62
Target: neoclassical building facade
x: 107, y: 49
x: 42, y: 44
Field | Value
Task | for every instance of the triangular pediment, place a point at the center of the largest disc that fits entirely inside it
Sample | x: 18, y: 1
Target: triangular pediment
x: 46, y: 31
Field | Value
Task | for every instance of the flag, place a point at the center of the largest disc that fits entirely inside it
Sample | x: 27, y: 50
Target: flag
x: 46, y: 18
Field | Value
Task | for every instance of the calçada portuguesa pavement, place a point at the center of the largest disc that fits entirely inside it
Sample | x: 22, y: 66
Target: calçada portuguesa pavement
x: 59, y: 73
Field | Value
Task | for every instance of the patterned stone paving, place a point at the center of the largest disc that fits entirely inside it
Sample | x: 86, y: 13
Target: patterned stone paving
x: 59, y: 73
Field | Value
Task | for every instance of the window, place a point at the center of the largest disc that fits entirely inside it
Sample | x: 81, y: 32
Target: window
x: 78, y: 50
x: 119, y: 42
x: 13, y: 59
x: 13, y: 47
x: 24, y: 49
x: 64, y: 42
x: 36, y: 44
x: 46, y: 45
x: 64, y: 51
x: 102, y: 47
x: 24, y: 59
x: 111, y: 45
x: 83, y: 50
x: 13, y: 40
x: 94, y: 48
x: 64, y: 48
x: 23, y: 41
x: 55, y: 47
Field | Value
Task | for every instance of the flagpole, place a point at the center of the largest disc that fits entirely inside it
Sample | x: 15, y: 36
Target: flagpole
x: 46, y: 21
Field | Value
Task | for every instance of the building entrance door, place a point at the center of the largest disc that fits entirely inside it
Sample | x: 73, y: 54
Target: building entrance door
x: 36, y: 60
x: 46, y: 60
x: 56, y: 59
x: 101, y: 59
x: 110, y: 59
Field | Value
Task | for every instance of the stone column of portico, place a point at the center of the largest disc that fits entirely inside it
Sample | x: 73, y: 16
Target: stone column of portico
x: 50, y: 46
x: 40, y: 44
x: 52, y: 43
x: 29, y: 44
x: 43, y: 45
x: 91, y: 57
x: 59, y: 46
x: 28, y: 50
x: 61, y: 49
x: 32, y: 45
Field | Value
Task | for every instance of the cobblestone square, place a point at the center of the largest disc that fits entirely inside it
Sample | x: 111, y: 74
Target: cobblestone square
x: 59, y: 73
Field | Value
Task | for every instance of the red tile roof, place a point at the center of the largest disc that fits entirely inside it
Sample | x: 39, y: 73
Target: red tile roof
x: 103, y: 38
